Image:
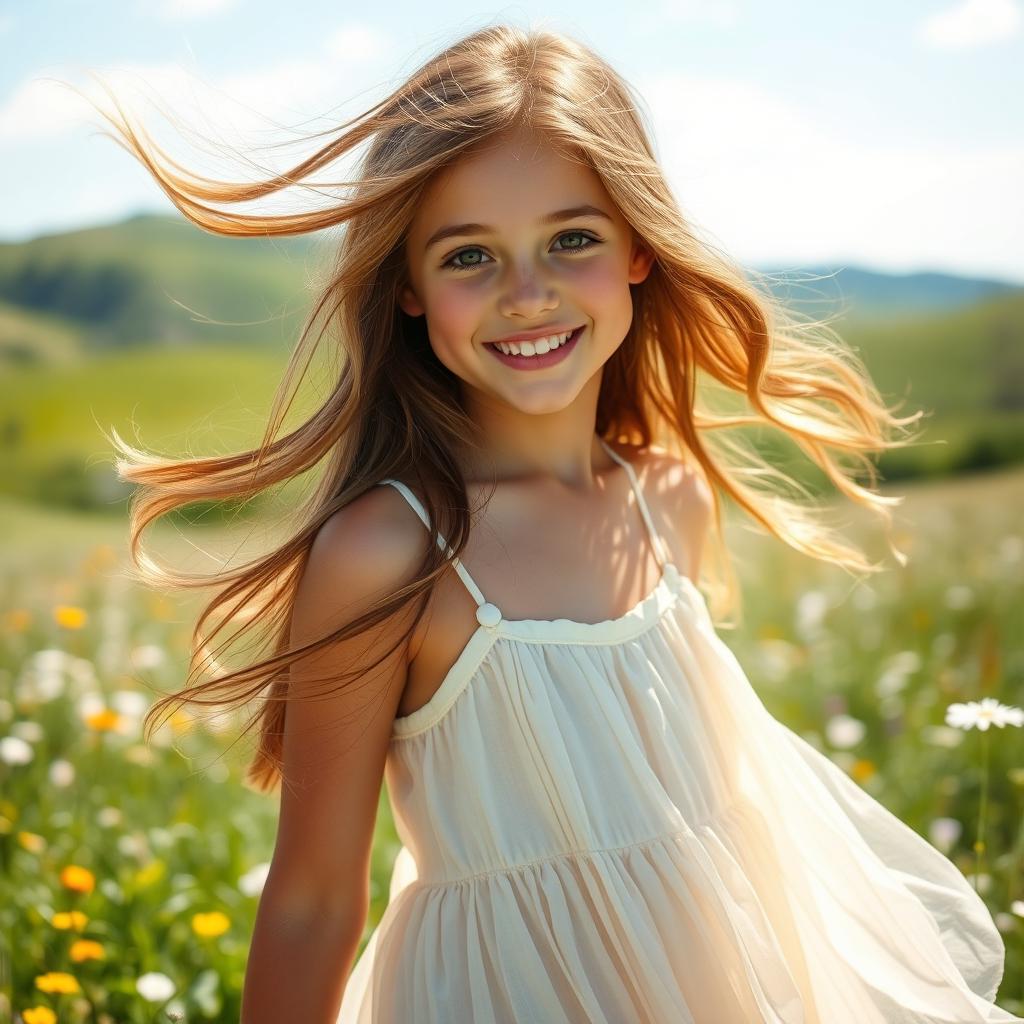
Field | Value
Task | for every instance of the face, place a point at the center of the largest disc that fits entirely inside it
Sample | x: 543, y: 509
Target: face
x: 512, y: 268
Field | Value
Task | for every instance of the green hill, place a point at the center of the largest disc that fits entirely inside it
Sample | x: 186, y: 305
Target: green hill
x: 158, y: 280
x: 868, y: 296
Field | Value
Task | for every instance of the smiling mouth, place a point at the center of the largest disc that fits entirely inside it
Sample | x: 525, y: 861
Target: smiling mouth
x: 573, y: 335
x: 540, y: 360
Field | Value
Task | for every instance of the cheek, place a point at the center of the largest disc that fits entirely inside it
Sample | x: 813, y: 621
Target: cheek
x: 601, y: 282
x: 454, y: 310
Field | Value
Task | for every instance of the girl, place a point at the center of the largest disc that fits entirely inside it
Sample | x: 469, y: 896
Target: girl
x: 495, y: 581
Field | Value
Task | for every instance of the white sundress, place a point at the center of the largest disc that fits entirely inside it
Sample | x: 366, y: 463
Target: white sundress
x: 601, y: 823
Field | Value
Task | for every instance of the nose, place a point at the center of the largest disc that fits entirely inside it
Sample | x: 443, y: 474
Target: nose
x: 528, y: 295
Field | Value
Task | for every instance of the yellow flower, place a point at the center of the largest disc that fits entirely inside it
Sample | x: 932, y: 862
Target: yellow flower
x: 103, y: 721
x: 862, y: 769
x: 101, y: 556
x: 57, y: 981
x: 39, y: 1015
x: 69, y: 616
x: 161, y: 607
x: 65, y: 919
x: 32, y: 842
x: 86, y: 949
x: 180, y: 721
x: 77, y: 878
x: 18, y: 620
x: 209, y: 925
x: 151, y: 873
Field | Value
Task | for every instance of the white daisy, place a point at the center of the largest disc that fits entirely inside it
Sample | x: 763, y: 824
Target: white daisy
x: 14, y: 750
x: 155, y: 987
x: 981, y: 714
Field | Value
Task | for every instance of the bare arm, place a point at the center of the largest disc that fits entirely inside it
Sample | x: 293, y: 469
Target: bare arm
x: 313, y: 908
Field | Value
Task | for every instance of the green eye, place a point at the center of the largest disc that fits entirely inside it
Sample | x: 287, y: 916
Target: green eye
x: 452, y: 265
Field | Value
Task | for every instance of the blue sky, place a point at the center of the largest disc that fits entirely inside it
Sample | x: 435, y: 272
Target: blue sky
x: 792, y: 132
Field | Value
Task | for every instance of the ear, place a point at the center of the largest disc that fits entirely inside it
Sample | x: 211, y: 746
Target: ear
x: 408, y: 302
x: 640, y: 262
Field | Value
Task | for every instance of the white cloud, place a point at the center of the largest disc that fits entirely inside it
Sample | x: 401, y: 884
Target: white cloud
x: 766, y: 182
x: 248, y: 102
x: 38, y: 109
x: 357, y: 42
x: 971, y: 23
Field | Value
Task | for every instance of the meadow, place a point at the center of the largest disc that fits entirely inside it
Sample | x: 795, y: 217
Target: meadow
x: 131, y: 871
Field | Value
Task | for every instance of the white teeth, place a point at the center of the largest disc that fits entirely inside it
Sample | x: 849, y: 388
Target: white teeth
x: 537, y: 347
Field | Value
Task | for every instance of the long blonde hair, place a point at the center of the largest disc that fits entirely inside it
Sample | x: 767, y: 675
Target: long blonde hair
x: 394, y: 410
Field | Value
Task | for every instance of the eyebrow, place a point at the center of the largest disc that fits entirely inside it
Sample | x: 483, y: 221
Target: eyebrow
x: 453, y: 230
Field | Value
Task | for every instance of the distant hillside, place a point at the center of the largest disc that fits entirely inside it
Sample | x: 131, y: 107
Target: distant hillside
x: 126, y: 285
x: 868, y: 295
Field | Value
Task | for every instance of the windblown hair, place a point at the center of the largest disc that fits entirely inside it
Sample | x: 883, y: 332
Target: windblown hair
x: 395, y: 411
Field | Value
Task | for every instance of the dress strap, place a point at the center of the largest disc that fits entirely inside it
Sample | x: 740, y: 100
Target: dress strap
x: 660, y: 551
x: 418, y: 508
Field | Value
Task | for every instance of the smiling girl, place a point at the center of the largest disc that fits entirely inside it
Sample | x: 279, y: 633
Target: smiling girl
x: 491, y: 600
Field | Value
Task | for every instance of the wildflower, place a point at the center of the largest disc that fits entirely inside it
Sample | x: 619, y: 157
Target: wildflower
x: 62, y: 773
x: 139, y: 754
x: 69, y: 616
x: 151, y: 873
x: 73, y: 919
x: 14, y: 750
x: 77, y: 878
x: 38, y: 1015
x: 1017, y: 906
x: 129, y: 703
x: 86, y: 949
x: 844, y: 731
x: 155, y: 987
x: 32, y: 842
x: 988, y: 711
x: 108, y: 817
x: 944, y: 832
x: 942, y: 736
x: 57, y: 981
x: 811, y: 608
x: 210, y: 925
x: 106, y: 720
x: 29, y: 731
x: 17, y: 620
x: 863, y: 769
x: 133, y: 845
x: 959, y: 596
x: 147, y: 656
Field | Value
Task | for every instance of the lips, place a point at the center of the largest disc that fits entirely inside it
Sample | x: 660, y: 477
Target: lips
x: 538, y: 362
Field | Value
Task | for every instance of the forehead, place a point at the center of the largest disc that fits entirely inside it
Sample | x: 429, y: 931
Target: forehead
x: 513, y: 179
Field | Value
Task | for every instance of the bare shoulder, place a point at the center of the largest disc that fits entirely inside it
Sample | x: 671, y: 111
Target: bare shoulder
x: 343, y: 698
x: 374, y: 539
x: 681, y: 501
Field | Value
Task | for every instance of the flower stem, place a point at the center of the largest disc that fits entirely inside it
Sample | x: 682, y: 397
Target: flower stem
x: 979, y: 844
